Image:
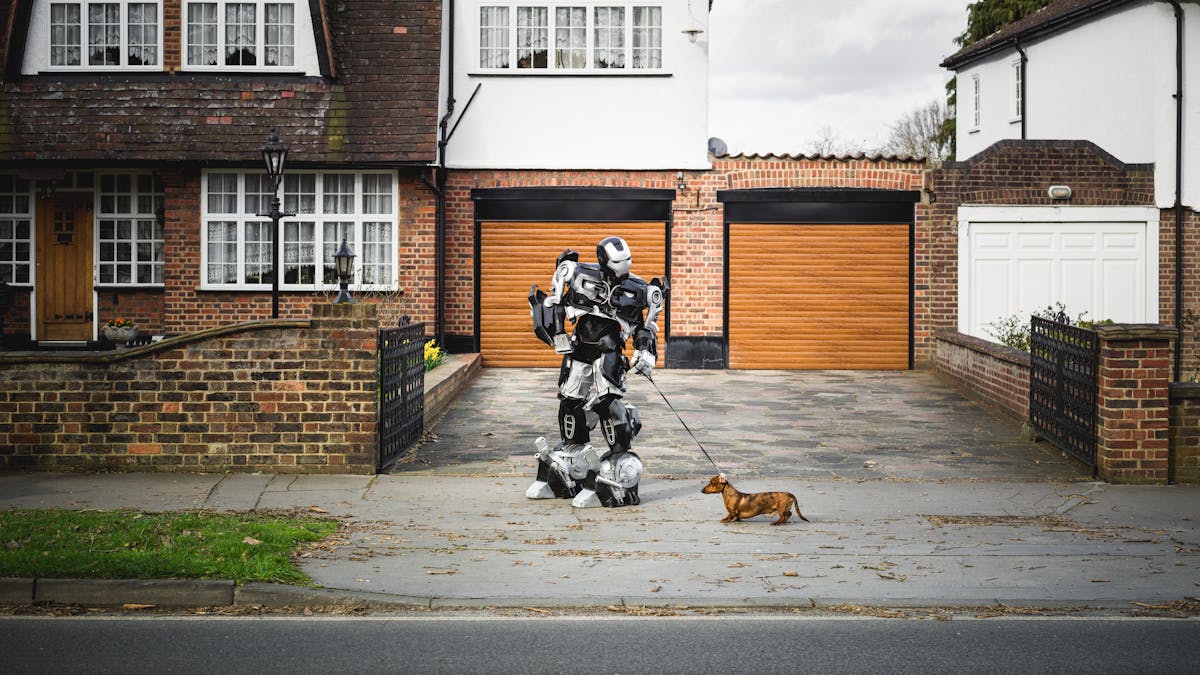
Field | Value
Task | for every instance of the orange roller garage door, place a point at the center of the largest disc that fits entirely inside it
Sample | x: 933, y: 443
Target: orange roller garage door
x: 512, y: 256
x: 819, y: 296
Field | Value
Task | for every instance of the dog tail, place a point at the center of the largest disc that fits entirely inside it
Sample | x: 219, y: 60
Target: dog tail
x: 796, y: 505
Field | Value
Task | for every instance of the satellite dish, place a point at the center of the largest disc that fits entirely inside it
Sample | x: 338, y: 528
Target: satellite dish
x: 717, y: 146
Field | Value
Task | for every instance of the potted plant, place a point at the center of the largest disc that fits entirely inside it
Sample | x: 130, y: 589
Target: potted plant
x: 120, y: 330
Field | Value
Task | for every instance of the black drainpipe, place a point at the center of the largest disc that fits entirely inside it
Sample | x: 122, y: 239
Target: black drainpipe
x: 1178, y: 179
x: 1024, y: 82
x: 439, y: 188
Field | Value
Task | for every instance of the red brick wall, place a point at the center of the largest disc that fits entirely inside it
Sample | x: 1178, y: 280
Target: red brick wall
x: 143, y: 306
x: 1134, y: 403
x: 697, y: 235
x: 291, y: 397
x: 1185, y: 431
x: 1012, y: 172
x: 986, y: 371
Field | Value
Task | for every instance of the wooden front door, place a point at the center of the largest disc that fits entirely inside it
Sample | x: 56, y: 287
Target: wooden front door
x: 64, y: 268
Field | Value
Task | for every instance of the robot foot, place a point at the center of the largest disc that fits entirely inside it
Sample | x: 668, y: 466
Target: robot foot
x: 540, y: 489
x: 586, y: 499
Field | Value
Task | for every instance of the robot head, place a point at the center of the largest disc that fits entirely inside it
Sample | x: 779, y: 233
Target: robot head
x: 614, y: 257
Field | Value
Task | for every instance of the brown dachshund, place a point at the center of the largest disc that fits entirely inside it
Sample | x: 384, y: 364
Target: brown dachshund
x: 740, y: 505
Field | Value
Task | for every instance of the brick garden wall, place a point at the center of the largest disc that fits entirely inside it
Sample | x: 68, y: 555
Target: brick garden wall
x: 1185, y: 431
x: 284, y: 396
x: 994, y: 373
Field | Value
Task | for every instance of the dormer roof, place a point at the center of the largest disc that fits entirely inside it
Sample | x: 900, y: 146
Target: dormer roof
x: 374, y: 102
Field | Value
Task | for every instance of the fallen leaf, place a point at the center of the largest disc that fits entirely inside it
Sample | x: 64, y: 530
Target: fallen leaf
x: 870, y: 464
x: 1101, y: 581
x: 135, y: 605
x: 791, y: 574
x: 252, y: 541
x: 441, y: 571
x: 317, y: 509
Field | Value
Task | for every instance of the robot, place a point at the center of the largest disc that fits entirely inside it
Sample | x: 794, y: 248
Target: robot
x: 606, y: 304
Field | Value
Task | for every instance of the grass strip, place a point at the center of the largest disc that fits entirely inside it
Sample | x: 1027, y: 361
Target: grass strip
x: 59, y: 543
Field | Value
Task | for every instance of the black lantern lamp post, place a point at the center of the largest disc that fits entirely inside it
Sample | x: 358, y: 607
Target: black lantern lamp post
x: 275, y: 156
x: 343, y: 259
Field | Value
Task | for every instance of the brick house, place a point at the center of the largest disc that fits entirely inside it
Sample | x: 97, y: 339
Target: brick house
x: 130, y: 166
x: 616, y: 143
x: 1076, y: 178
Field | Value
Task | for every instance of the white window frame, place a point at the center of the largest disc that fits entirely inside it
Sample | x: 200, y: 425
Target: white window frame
x: 590, y: 30
x: 84, y: 26
x: 15, y: 215
x: 138, y: 214
x: 260, y: 36
x: 314, y: 214
x: 1018, y: 71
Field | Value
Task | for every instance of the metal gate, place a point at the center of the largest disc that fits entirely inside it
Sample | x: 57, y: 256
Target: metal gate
x: 401, y: 390
x: 1063, y: 375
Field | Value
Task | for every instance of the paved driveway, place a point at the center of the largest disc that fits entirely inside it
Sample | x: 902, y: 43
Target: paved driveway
x: 819, y: 424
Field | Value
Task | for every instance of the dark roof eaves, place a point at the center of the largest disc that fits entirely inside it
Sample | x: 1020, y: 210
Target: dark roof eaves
x: 1005, y: 37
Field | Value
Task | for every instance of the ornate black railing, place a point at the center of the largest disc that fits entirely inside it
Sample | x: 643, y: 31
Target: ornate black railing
x: 401, y: 390
x: 1063, y: 378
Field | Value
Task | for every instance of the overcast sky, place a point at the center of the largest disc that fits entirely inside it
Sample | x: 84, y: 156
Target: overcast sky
x: 782, y: 71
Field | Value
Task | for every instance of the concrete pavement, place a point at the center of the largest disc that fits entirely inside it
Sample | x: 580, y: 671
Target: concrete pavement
x: 471, y: 541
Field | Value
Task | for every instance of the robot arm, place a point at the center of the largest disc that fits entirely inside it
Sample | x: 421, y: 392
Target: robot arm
x: 568, y: 262
x: 645, y: 339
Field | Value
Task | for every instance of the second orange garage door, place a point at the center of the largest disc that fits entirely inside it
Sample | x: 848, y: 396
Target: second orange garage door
x: 828, y: 296
x: 514, y: 255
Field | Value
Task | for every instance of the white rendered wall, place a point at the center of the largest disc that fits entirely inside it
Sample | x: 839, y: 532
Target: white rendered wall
x: 584, y: 121
x: 1110, y: 80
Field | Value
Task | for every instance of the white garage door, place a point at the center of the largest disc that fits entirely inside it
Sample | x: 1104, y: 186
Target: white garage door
x: 1098, y: 260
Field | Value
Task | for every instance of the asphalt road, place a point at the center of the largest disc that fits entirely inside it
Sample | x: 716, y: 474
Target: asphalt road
x: 610, y: 644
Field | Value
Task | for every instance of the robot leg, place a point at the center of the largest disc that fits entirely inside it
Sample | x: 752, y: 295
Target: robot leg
x: 615, y: 481
x: 559, y: 469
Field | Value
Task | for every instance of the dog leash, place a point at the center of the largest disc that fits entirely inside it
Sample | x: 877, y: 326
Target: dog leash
x: 685, y: 426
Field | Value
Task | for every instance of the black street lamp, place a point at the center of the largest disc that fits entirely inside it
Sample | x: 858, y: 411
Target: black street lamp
x: 343, y: 259
x: 275, y: 156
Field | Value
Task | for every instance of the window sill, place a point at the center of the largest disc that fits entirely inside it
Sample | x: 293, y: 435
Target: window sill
x: 975, y: 130
x: 127, y: 287
x: 570, y: 73
x: 288, y: 289
x: 1014, y: 120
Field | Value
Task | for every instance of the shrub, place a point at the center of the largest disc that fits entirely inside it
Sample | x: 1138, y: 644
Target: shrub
x: 1013, y: 330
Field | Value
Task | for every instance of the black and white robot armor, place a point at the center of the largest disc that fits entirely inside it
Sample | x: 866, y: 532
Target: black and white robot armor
x: 608, y: 306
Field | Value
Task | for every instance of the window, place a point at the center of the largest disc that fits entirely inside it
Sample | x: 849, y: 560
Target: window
x: 1018, y: 85
x: 595, y: 37
x: 130, y: 234
x: 16, y: 229
x: 975, y: 109
x: 246, y: 35
x: 236, y: 246
x: 647, y: 37
x: 109, y: 35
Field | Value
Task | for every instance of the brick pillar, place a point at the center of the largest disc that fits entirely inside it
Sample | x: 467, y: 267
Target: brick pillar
x: 1134, y: 402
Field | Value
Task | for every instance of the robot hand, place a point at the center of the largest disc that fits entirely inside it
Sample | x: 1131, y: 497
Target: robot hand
x: 642, y: 363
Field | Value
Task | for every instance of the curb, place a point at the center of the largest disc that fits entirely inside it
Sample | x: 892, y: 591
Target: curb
x: 193, y: 593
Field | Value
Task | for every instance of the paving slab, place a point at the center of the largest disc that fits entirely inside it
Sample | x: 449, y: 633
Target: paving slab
x: 903, y: 425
